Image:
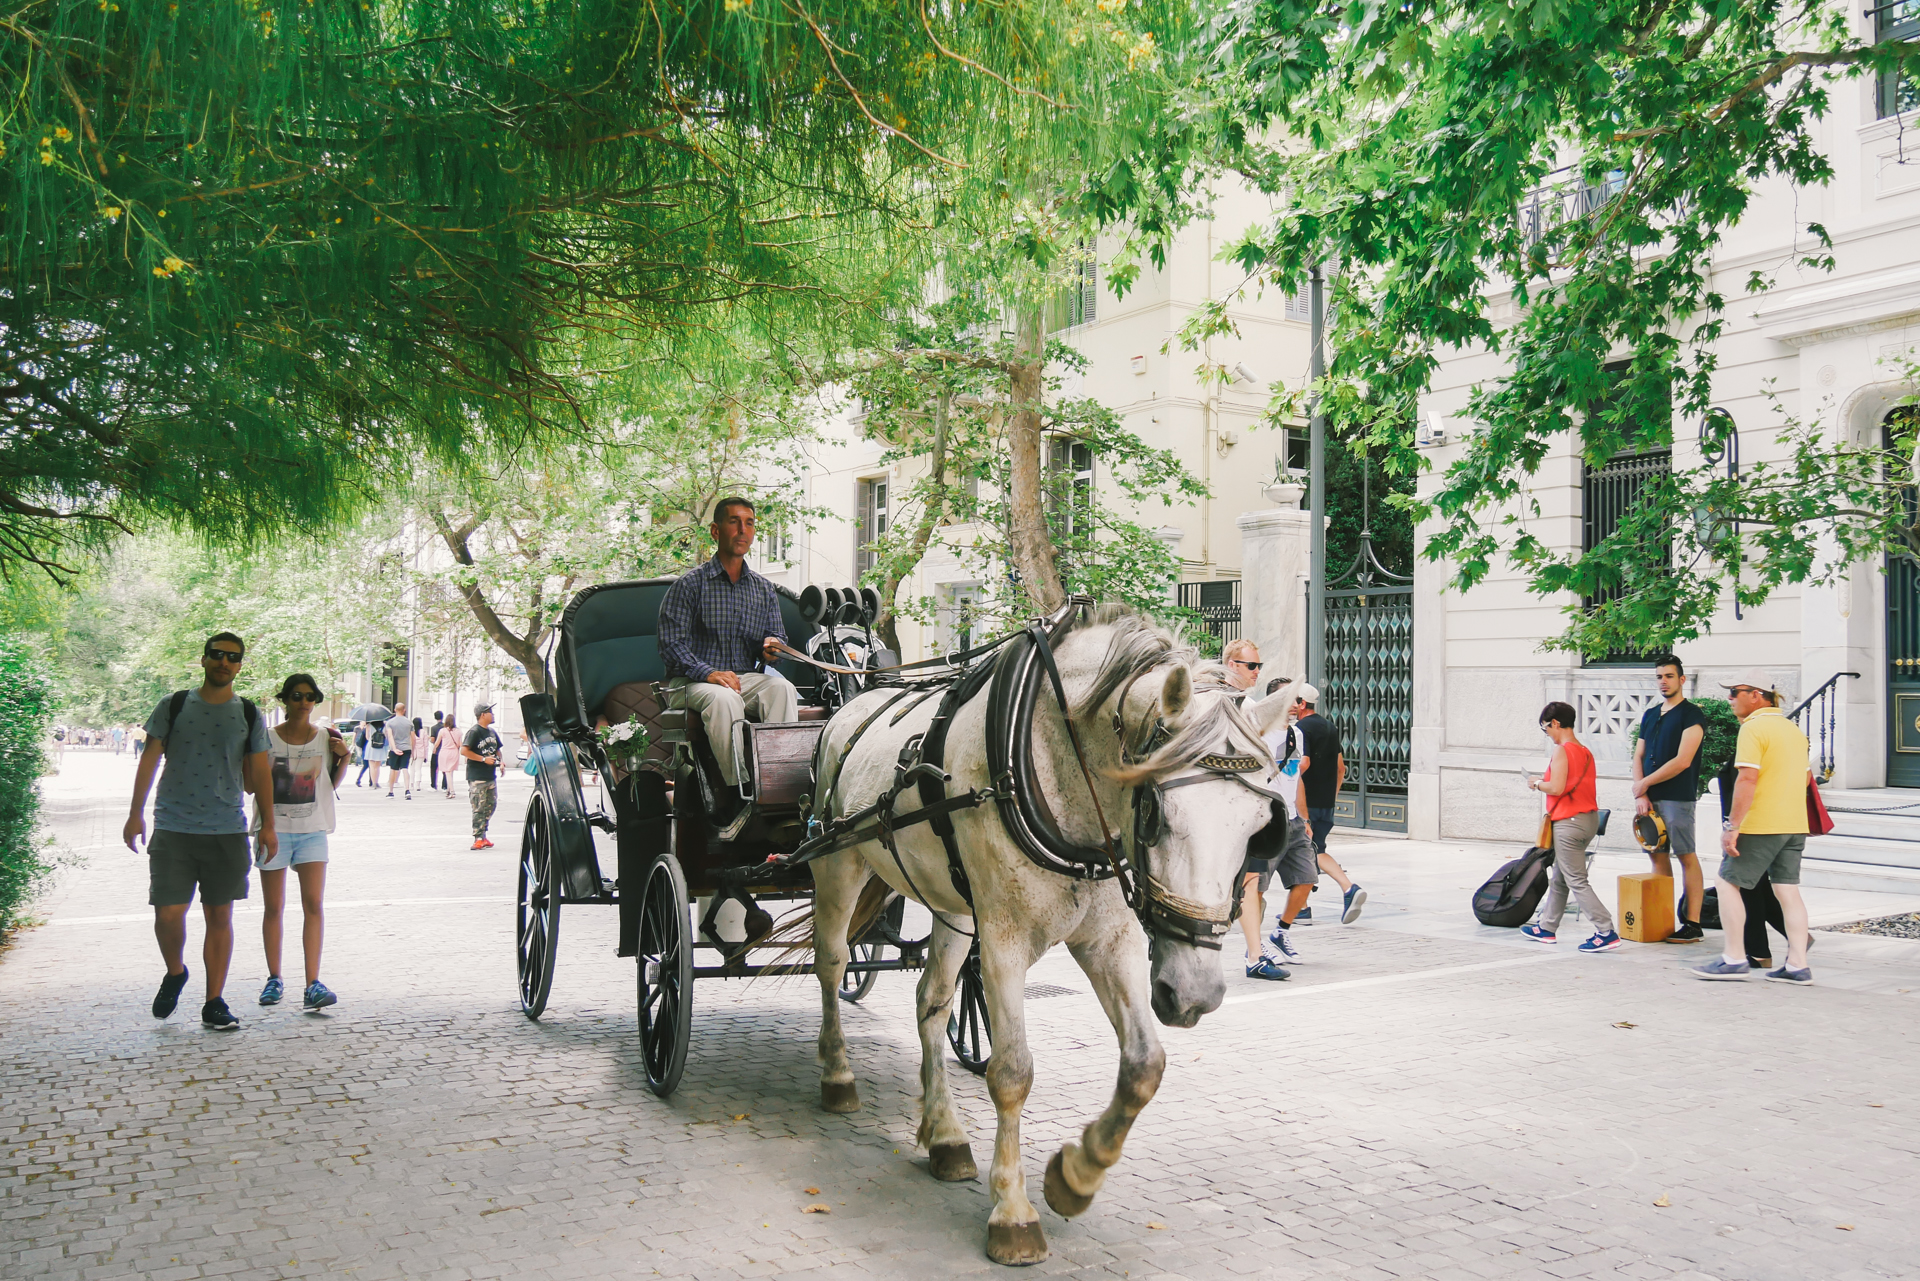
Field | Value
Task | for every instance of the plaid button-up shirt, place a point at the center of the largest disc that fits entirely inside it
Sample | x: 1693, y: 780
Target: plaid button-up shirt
x: 709, y: 623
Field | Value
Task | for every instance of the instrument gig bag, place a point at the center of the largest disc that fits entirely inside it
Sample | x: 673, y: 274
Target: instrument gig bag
x: 1513, y: 893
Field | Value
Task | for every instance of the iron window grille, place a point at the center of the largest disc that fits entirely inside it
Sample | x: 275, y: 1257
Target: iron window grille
x: 872, y: 528
x: 1897, y: 91
x: 1218, y: 605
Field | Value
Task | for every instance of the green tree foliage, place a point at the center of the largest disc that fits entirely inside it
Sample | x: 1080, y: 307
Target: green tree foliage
x: 27, y: 694
x: 945, y: 391
x: 634, y: 500
x: 1589, y: 156
x: 254, y: 252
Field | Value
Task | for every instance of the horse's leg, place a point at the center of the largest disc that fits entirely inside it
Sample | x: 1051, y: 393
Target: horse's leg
x: 837, y: 879
x: 1013, y: 1228
x: 949, y: 1157
x: 1116, y: 965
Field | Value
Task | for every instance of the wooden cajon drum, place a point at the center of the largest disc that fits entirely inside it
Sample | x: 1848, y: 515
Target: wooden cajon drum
x: 1646, y: 907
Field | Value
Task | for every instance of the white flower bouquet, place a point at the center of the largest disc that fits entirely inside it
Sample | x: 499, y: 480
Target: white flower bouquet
x: 625, y: 745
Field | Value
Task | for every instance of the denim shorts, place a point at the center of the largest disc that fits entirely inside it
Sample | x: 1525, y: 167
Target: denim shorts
x: 295, y: 847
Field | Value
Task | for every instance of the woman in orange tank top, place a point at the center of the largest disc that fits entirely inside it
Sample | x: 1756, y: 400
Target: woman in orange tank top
x: 1573, y: 806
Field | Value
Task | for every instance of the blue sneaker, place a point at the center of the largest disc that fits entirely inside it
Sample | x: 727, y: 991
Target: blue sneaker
x: 1280, y: 938
x: 1799, y: 978
x: 319, y: 996
x: 1719, y: 970
x: 1608, y: 942
x: 1265, y: 968
x: 1538, y: 935
x: 1351, y: 903
x: 216, y: 1015
x: 1305, y: 917
x: 273, y: 991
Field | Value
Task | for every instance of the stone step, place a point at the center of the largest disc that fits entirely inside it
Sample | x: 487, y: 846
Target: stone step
x: 1903, y: 828
x: 1874, y: 851
x: 1832, y: 875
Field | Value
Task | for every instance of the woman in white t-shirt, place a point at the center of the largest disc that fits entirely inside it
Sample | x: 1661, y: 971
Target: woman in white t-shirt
x: 308, y: 763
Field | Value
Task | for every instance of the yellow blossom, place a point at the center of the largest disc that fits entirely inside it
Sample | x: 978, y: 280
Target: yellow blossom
x: 160, y: 272
x: 46, y: 157
x: 735, y: 6
x: 172, y: 264
x: 63, y: 133
x: 1142, y: 52
x: 112, y: 211
x: 1112, y: 6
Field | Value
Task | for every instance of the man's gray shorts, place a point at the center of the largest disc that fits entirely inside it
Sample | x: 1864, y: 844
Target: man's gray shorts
x: 1678, y: 816
x: 177, y: 861
x: 1295, y: 861
x: 1775, y: 855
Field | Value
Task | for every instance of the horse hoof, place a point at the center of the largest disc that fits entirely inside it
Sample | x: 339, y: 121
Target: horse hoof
x: 1016, y: 1244
x: 1065, y: 1201
x: 839, y: 1096
x: 952, y: 1163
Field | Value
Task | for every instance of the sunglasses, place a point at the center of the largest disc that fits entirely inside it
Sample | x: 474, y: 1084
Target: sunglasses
x: 1252, y: 667
x: 226, y: 656
x: 302, y: 696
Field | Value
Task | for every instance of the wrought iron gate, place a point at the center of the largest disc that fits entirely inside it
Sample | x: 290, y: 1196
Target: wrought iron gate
x: 1369, y: 688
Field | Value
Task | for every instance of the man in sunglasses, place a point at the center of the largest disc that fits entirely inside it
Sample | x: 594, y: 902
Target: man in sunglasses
x: 1241, y: 658
x: 216, y: 750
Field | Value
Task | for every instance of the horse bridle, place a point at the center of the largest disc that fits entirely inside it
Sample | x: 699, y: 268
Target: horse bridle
x: 1161, y: 911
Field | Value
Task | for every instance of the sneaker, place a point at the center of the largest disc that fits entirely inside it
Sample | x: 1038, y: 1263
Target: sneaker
x: 389, y: 795
x: 1538, y: 935
x: 217, y: 1016
x: 1283, y: 945
x: 479, y: 843
x: 1689, y: 932
x: 169, y: 994
x: 1351, y: 903
x: 1608, y: 942
x: 485, y: 844
x: 273, y: 991
x: 1266, y: 968
x: 1718, y: 969
x: 1305, y: 917
x: 1800, y: 978
x: 409, y: 795
x: 319, y: 996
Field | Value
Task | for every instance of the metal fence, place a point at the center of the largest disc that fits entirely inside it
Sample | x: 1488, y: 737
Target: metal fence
x: 1608, y: 492
x: 1217, y: 603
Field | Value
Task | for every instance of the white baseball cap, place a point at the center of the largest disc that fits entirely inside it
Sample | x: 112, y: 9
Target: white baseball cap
x: 1752, y: 678
x: 1306, y: 693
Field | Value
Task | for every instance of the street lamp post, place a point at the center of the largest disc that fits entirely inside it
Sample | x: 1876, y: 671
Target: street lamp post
x: 1317, y: 487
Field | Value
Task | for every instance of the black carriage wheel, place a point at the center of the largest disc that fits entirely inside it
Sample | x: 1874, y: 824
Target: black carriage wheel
x: 537, y: 915
x: 665, y: 976
x: 969, y: 1029
x: 855, y: 984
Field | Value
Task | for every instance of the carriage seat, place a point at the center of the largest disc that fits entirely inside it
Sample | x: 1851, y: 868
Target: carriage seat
x: 665, y: 725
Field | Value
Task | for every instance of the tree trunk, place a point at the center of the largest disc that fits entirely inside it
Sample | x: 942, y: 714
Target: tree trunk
x: 523, y: 651
x: 1029, y: 541
x: 898, y: 570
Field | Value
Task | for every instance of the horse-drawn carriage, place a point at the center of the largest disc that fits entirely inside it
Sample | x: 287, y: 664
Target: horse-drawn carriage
x: 678, y: 831
x: 1087, y: 780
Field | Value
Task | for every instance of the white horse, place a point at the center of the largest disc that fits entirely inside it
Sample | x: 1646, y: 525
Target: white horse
x: 1207, y: 775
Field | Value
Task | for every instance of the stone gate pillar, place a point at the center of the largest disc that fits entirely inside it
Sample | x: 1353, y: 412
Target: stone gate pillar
x: 1274, y: 560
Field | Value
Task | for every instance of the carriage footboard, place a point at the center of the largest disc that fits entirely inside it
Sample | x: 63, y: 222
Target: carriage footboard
x: 558, y: 783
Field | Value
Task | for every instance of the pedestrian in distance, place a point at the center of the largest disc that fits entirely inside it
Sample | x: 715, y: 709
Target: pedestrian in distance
x: 1323, y: 771
x: 481, y: 749
x: 447, y: 753
x: 1241, y: 659
x: 399, y: 750
x: 1666, y: 782
x: 1299, y: 866
x: 307, y: 763
x: 1766, y: 831
x: 1575, y: 813
x: 429, y: 748
x: 215, y: 745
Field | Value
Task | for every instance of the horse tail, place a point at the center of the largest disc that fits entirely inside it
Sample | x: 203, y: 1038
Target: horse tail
x: 795, y: 933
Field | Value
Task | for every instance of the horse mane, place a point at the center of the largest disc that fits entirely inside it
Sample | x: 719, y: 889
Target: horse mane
x: 1136, y: 646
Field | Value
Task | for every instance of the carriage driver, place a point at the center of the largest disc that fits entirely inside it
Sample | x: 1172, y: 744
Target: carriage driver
x: 718, y: 628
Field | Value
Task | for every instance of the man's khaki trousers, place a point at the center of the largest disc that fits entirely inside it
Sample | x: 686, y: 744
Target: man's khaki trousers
x: 764, y: 697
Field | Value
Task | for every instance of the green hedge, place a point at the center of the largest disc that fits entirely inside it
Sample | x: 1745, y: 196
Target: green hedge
x: 26, y: 694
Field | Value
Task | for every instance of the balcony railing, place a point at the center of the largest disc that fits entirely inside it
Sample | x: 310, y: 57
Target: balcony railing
x: 1565, y: 197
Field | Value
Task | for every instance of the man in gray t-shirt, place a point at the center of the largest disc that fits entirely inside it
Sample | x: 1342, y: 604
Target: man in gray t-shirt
x: 215, y: 745
x: 399, y: 749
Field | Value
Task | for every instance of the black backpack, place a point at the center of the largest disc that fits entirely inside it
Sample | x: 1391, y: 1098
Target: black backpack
x: 179, y: 700
x: 1511, y: 895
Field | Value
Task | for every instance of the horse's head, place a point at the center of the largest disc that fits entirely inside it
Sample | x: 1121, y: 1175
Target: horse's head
x: 1203, y: 783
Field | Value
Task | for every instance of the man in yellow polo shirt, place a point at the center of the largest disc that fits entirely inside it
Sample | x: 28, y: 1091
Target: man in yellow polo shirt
x: 1766, y: 831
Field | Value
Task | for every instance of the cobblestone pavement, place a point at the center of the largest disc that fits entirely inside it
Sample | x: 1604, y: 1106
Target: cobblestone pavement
x: 1426, y: 1099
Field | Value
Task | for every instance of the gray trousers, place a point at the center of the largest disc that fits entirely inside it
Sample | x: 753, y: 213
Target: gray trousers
x: 1571, y: 836
x: 765, y: 697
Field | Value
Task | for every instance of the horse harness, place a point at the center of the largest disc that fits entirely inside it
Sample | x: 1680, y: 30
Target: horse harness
x: 1020, y: 661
